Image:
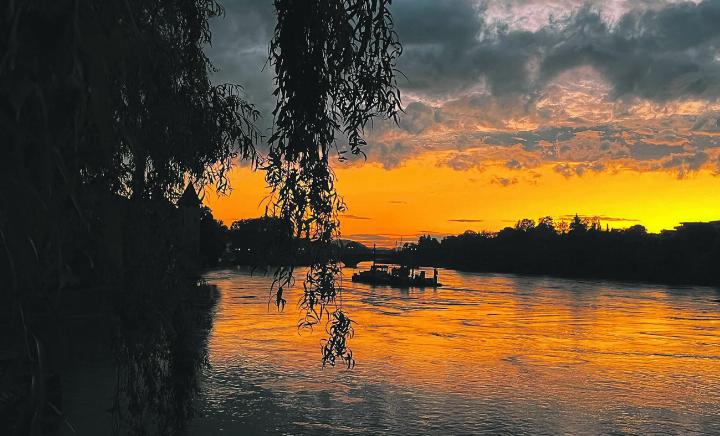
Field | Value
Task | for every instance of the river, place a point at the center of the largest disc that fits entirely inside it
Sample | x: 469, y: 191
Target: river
x: 485, y: 354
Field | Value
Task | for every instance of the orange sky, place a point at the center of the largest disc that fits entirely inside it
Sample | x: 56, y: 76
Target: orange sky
x: 423, y: 196
x: 507, y: 114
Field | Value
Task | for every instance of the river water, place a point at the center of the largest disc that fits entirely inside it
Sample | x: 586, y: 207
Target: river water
x: 485, y: 354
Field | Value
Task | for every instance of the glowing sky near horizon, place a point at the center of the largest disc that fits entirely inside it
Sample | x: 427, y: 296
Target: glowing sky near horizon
x: 519, y: 109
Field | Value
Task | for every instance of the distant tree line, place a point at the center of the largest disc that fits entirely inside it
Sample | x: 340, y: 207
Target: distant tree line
x: 580, y: 248
x: 260, y: 242
x: 269, y: 241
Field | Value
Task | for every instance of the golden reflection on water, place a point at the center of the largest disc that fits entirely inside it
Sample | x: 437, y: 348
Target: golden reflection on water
x: 557, y: 355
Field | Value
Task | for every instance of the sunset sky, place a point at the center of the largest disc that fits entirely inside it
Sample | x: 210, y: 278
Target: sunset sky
x: 517, y: 109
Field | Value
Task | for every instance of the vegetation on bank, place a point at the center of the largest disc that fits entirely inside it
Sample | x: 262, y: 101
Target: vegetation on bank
x: 581, y: 248
x: 267, y: 241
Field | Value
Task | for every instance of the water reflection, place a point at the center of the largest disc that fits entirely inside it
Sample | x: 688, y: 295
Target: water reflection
x: 158, y: 360
x: 150, y: 385
x: 486, y: 353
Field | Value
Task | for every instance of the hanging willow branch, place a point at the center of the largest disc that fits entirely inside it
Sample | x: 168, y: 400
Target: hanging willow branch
x: 334, y: 64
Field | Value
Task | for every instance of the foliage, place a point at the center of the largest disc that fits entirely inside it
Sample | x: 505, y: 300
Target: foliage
x: 688, y: 254
x: 158, y: 363
x: 106, y: 113
x: 334, y: 64
x: 212, y: 238
x: 339, y: 330
x: 262, y: 241
x: 103, y: 99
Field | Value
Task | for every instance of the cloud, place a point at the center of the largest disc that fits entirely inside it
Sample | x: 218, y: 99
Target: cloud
x: 463, y: 161
x: 569, y: 170
x: 685, y: 163
x: 384, y: 240
x: 418, y: 117
x: 637, y: 135
x: 466, y: 220
x: 600, y: 217
x: 371, y: 239
x: 650, y: 52
x: 239, y: 51
x: 392, y: 155
x: 504, y: 181
x: 651, y: 49
x: 582, y: 86
x: 514, y: 164
x: 355, y: 217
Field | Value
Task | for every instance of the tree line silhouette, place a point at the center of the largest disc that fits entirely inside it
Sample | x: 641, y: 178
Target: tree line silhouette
x: 580, y: 248
x: 267, y: 241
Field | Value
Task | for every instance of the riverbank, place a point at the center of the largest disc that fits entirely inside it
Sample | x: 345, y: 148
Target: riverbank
x: 596, y: 277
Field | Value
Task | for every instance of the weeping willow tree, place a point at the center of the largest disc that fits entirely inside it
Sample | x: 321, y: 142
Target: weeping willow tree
x: 107, y: 112
x: 334, y: 64
x: 105, y: 98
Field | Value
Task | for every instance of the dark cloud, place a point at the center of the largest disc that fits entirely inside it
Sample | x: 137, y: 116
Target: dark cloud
x: 504, y: 181
x: 355, y: 217
x: 371, y: 240
x: 438, y: 38
x: 392, y: 155
x: 239, y: 50
x: 569, y: 170
x: 514, y: 164
x: 418, y: 117
x: 369, y: 237
x: 657, y: 53
x: 463, y: 161
x: 451, y: 46
x: 569, y: 217
x: 385, y: 240
x: 485, y: 82
x: 685, y: 163
x: 644, y: 151
x: 466, y: 220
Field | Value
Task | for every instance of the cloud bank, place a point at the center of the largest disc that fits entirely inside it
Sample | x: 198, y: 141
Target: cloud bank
x: 582, y: 86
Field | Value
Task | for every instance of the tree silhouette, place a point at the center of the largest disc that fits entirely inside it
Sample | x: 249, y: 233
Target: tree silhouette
x: 107, y: 113
x: 101, y: 101
x: 578, y: 225
x: 334, y: 65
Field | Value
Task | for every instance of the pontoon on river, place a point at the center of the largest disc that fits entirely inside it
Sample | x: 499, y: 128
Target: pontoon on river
x: 401, y: 276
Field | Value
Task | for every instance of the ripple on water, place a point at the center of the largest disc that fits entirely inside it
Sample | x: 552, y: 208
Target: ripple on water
x: 488, y: 353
